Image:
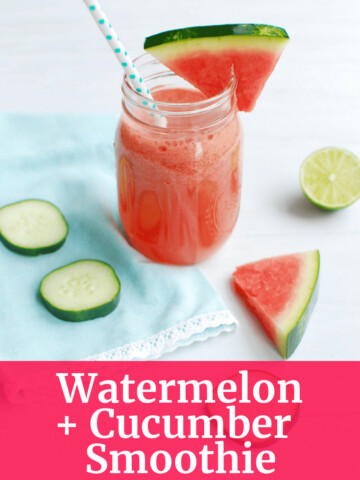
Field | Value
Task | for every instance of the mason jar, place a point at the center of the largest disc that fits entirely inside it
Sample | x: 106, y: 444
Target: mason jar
x: 178, y: 166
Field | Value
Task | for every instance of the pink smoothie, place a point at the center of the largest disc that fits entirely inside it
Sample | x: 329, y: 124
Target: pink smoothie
x: 179, y: 192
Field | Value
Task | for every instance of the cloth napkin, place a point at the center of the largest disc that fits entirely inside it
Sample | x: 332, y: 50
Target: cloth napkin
x: 69, y: 160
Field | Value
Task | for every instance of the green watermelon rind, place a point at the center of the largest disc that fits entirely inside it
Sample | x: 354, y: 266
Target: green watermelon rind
x: 202, y: 32
x: 184, y: 48
x: 296, y: 332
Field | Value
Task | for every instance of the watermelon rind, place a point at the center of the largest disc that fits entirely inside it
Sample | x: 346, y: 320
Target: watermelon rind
x: 298, y: 315
x: 168, y: 45
x: 251, y: 30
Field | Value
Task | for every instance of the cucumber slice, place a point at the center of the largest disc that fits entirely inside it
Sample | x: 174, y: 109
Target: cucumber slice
x: 32, y: 227
x: 80, y: 291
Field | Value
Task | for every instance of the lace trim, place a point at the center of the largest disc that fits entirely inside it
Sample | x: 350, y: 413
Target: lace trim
x: 189, y: 331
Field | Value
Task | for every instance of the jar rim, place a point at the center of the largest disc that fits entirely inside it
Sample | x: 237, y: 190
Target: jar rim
x: 186, y: 107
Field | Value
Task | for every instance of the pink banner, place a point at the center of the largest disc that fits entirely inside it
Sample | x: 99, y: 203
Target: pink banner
x: 171, y: 420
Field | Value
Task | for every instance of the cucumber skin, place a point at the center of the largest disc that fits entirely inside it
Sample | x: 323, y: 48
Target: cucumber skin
x: 33, y: 252
x: 82, y: 315
x: 295, y: 335
x: 214, y: 31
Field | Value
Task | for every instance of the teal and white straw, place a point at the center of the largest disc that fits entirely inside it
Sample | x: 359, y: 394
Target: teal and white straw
x: 119, y: 50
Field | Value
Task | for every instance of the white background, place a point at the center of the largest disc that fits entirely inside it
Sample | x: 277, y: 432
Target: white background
x: 53, y: 59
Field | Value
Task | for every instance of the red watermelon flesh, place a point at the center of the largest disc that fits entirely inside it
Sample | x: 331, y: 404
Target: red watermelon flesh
x: 281, y: 292
x: 210, y: 72
x: 205, y: 57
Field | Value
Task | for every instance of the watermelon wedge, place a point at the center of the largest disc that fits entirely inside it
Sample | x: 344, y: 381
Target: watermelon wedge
x: 281, y: 292
x: 205, y: 56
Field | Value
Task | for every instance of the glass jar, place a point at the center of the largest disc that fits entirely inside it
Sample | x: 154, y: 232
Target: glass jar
x: 178, y: 166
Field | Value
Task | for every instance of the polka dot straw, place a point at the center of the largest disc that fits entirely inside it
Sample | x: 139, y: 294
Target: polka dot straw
x: 119, y: 50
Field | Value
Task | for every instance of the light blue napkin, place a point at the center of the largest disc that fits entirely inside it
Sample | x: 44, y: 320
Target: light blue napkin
x: 69, y: 160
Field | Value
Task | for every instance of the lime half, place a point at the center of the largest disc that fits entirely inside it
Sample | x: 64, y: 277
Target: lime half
x: 330, y: 178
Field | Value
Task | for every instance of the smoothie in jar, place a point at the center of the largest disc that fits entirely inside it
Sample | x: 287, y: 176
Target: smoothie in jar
x: 179, y: 184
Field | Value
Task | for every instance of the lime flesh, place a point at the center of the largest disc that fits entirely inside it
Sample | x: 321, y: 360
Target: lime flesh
x: 330, y: 178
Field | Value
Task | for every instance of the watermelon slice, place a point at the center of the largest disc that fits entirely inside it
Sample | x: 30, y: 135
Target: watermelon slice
x: 204, y: 56
x: 281, y: 292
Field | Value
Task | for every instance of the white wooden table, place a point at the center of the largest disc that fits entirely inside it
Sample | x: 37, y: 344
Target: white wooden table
x: 52, y: 58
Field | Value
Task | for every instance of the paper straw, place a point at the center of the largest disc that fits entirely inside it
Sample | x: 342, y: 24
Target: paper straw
x: 119, y: 51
